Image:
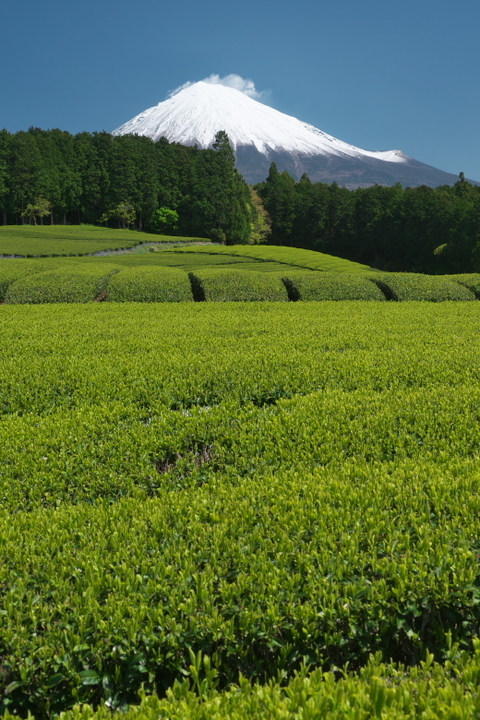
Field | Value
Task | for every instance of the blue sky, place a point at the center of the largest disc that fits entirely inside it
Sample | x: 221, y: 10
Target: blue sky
x: 377, y: 74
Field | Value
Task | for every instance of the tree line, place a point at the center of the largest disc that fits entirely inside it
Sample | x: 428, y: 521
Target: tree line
x: 421, y: 229
x: 55, y: 177
x: 130, y: 181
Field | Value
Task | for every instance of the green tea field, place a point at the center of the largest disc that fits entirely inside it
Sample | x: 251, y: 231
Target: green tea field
x: 296, y: 257
x: 237, y: 509
x: 51, y: 240
x: 207, y: 272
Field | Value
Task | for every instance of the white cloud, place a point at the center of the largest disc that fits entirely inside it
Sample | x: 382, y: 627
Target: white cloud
x: 179, y: 88
x: 247, y: 87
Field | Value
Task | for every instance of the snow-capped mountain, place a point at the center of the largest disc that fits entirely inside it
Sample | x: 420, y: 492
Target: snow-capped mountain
x: 260, y: 135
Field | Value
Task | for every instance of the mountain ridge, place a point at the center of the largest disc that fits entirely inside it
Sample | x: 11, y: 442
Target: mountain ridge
x: 260, y: 135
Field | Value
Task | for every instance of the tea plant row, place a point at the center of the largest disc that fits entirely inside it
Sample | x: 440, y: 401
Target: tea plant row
x: 66, y: 281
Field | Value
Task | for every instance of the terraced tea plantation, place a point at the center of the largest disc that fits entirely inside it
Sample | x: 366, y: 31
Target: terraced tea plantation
x: 54, y: 240
x: 218, y: 273
x: 239, y: 509
x: 296, y: 257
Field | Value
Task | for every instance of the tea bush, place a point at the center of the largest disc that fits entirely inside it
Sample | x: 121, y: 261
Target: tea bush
x: 260, y: 575
x: 13, y: 269
x: 413, y: 286
x: 470, y: 280
x: 163, y: 356
x: 67, y: 284
x: 150, y: 284
x: 331, y: 286
x: 235, y: 285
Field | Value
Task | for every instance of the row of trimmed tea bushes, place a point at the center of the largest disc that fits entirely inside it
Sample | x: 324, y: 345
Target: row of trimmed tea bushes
x: 77, y: 283
x: 238, y: 286
x: 281, y: 254
x: 470, y: 280
x: 112, y: 450
x: 430, y: 691
x: 68, y: 284
x: 155, y: 356
x: 13, y: 270
x: 414, y: 286
x: 149, y: 284
x: 167, y: 284
x: 331, y: 286
x: 99, y: 600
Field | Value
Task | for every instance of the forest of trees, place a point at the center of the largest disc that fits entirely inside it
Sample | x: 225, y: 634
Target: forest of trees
x: 54, y: 177
x: 130, y: 181
x: 422, y: 229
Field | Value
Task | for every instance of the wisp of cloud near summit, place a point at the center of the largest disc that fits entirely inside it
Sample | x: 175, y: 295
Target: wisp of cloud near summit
x: 246, y: 86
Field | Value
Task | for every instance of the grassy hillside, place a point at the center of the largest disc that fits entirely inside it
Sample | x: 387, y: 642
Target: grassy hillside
x: 48, y: 240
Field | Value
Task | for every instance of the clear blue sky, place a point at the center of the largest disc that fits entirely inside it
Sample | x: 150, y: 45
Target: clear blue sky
x: 377, y: 74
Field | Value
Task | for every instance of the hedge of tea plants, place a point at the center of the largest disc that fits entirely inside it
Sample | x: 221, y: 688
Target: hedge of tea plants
x: 14, y: 269
x: 470, y: 280
x: 330, y: 286
x: 236, y: 285
x: 414, y: 286
x: 197, y: 493
x: 215, y: 274
x: 68, y: 283
x: 150, y: 284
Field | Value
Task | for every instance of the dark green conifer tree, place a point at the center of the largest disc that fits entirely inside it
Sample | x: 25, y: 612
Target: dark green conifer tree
x: 5, y: 144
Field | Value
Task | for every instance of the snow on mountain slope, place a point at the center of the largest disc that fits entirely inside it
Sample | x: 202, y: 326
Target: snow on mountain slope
x: 260, y: 135
x: 197, y: 112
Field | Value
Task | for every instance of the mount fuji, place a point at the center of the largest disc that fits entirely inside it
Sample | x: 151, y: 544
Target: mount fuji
x: 261, y: 135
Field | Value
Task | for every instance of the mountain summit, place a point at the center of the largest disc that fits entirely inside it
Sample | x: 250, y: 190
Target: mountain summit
x: 261, y: 135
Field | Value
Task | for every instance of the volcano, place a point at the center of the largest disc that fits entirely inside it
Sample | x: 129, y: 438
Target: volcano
x: 260, y: 135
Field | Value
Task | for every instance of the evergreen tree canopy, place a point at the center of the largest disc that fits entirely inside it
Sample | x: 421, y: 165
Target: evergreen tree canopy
x: 423, y: 229
x: 128, y: 180
x: 96, y: 177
